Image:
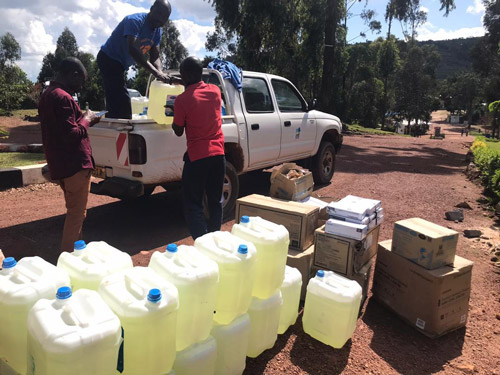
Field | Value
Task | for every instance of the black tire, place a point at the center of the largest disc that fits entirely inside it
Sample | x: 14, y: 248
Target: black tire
x: 230, y: 190
x: 323, y: 163
x: 148, y: 190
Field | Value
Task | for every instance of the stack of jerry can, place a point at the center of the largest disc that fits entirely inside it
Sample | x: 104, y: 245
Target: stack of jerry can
x: 419, y: 277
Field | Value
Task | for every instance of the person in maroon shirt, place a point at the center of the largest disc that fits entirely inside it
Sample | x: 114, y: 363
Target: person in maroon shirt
x: 67, y: 146
x: 198, y: 110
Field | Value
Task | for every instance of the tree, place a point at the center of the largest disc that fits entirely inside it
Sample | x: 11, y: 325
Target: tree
x: 14, y: 85
x: 494, y: 109
x: 66, y: 46
x: 387, y: 64
x: 465, y: 93
x: 10, y: 50
x: 414, y: 88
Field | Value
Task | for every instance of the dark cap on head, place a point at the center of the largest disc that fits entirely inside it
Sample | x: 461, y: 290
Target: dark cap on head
x: 191, y: 70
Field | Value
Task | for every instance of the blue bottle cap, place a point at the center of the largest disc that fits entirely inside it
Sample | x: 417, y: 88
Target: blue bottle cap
x: 9, y: 262
x: 245, y: 219
x: 154, y: 295
x: 80, y: 245
x: 243, y: 249
x: 172, y: 248
x: 64, y: 292
x: 320, y: 273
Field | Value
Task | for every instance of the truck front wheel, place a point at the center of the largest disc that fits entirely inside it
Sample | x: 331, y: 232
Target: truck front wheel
x: 323, y: 163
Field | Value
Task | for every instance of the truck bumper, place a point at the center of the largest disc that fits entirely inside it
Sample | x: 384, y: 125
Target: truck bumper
x: 117, y: 187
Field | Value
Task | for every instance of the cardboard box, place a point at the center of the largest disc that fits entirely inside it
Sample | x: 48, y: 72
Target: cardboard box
x: 425, y: 243
x: 353, y: 207
x: 433, y: 301
x: 302, y: 260
x: 293, y: 189
x: 300, y: 219
x: 363, y: 278
x: 343, y: 255
x: 346, y: 229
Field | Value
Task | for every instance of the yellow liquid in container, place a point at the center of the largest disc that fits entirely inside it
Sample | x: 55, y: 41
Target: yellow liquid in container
x: 197, y: 359
x: 159, y: 94
x: 78, y: 335
x: 236, y: 260
x: 87, y: 267
x: 139, y: 104
x: 264, y: 321
x: 271, y: 241
x: 21, y: 286
x: 331, y: 308
x: 232, y: 345
x: 196, y: 278
x: 146, y: 305
x: 290, y: 292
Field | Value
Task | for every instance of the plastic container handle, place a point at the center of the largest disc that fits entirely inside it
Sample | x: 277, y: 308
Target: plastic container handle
x: 136, y: 287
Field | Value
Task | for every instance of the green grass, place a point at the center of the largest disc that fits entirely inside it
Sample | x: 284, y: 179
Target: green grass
x: 23, y: 112
x: 492, y: 144
x: 4, y: 133
x: 18, y: 159
x: 362, y: 129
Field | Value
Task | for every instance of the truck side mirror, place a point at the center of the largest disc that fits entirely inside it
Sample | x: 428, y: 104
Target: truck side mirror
x: 312, y: 105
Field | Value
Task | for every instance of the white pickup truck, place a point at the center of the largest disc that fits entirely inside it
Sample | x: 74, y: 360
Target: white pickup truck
x: 266, y: 124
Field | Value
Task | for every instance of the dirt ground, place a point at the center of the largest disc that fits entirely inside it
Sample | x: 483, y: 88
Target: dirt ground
x: 413, y: 177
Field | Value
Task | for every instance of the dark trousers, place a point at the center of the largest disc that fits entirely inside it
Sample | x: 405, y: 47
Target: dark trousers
x: 204, y: 176
x: 115, y: 86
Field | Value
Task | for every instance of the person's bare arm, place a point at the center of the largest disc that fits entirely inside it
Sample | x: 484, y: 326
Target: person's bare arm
x: 178, y: 130
x: 137, y: 55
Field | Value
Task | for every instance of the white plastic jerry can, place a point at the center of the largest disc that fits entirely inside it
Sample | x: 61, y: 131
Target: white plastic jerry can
x: 264, y: 321
x: 197, y: 359
x: 236, y: 260
x: 196, y: 278
x: 232, y: 345
x: 89, y: 263
x: 161, y: 101
x: 271, y: 242
x: 331, y: 308
x: 73, y: 334
x: 22, y: 284
x: 146, y: 305
x: 290, y: 292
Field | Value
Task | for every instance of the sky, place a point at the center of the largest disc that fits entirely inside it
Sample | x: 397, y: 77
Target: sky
x: 36, y: 24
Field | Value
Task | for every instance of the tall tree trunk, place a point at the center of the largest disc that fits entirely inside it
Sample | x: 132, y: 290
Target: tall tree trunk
x: 331, y: 22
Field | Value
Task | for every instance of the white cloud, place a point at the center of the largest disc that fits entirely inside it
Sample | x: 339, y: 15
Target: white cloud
x: 200, y: 10
x: 193, y: 36
x: 476, y: 8
x: 424, y: 9
x: 36, y: 24
x: 430, y: 32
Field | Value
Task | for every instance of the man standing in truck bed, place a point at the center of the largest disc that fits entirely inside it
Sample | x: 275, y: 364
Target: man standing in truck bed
x: 198, y: 110
x: 131, y: 40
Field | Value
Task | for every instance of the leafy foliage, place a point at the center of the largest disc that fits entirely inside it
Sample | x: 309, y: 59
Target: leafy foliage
x: 488, y: 162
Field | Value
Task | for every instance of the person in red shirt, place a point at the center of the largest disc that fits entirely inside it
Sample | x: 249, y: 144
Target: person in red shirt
x: 67, y: 146
x: 198, y: 111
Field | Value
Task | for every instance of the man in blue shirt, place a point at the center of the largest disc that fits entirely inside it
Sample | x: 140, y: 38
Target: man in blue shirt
x: 134, y: 37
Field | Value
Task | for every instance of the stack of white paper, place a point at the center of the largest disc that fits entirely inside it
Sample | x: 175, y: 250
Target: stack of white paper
x: 353, y: 217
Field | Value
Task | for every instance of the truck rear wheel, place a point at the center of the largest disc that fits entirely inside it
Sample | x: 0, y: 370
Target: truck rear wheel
x: 323, y: 163
x: 230, y: 192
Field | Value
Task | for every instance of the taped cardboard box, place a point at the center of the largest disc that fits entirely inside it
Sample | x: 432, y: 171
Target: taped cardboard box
x: 343, y: 255
x: 298, y: 218
x: 302, y: 260
x: 424, y: 243
x: 291, y: 182
x: 433, y: 301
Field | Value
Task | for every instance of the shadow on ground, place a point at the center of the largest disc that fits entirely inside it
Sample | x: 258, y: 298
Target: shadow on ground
x: 420, y: 160
x: 408, y: 351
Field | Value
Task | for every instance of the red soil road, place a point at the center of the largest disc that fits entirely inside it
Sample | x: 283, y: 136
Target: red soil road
x: 414, y: 177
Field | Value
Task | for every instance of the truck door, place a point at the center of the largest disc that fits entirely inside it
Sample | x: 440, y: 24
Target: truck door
x: 263, y: 122
x: 298, y: 127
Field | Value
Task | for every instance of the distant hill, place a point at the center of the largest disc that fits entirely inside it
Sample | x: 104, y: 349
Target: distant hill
x: 455, y: 55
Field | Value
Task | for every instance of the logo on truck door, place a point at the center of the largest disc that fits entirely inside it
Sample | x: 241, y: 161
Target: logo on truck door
x: 122, y: 149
